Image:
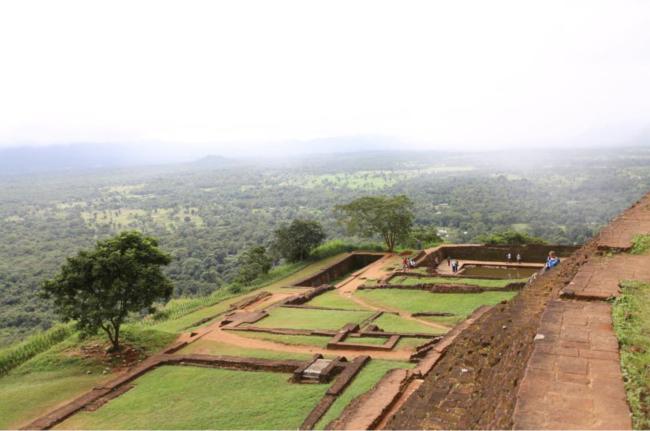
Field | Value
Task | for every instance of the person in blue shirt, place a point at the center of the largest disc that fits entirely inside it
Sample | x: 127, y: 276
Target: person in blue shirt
x: 552, y: 260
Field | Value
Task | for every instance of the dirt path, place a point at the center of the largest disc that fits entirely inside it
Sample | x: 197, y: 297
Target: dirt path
x: 376, y: 271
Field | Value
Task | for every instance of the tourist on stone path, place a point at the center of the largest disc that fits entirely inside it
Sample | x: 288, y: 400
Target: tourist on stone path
x: 552, y: 260
x: 509, y: 257
x: 518, y: 258
x: 454, y: 266
x: 405, y: 264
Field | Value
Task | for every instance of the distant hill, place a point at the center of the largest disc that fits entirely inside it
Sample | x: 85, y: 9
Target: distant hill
x: 25, y: 160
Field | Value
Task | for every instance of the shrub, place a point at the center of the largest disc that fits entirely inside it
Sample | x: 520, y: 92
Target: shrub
x: 641, y: 244
x: 337, y: 246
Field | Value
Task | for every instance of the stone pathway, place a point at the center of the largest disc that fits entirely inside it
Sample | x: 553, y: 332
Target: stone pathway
x: 573, y: 379
x: 621, y: 231
x: 600, y: 277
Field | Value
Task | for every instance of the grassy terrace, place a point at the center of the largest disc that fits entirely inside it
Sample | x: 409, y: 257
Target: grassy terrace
x: 460, y: 304
x: 209, y: 347
x: 631, y: 314
x: 410, y: 281
x: 185, y: 312
x: 393, y: 323
x: 176, y: 397
x: 60, y: 374
x: 301, y: 340
x: 332, y: 299
x: 300, y: 318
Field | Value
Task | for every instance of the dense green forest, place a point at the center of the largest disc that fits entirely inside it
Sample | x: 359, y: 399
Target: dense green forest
x: 209, y: 212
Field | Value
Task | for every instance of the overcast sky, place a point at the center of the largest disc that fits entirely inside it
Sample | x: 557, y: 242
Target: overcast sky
x: 242, y: 74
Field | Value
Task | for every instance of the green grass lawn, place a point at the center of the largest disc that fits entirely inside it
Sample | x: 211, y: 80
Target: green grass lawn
x: 301, y: 340
x: 209, y: 347
x: 182, y: 323
x: 183, y: 397
x: 631, y: 314
x: 334, y: 300
x: 219, y: 301
x: 495, y: 284
x: 414, y: 301
x: 365, y: 380
x: 27, y: 396
x: 444, y: 320
x: 58, y: 375
x: 393, y: 323
x: 300, y: 318
x: 410, y: 343
x: 374, y: 341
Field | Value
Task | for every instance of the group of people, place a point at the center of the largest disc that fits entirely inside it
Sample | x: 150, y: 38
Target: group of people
x: 408, y: 263
x: 509, y: 257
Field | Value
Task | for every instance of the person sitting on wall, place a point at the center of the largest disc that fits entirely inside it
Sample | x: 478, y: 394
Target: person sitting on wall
x: 552, y: 260
x: 411, y: 263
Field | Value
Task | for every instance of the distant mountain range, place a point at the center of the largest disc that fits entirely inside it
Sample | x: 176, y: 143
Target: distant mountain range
x: 84, y: 156
x: 24, y: 160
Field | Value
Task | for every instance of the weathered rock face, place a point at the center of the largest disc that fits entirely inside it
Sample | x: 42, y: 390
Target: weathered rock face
x: 474, y: 385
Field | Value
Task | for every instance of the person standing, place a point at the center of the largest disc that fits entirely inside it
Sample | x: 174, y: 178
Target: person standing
x: 509, y: 257
x: 518, y: 258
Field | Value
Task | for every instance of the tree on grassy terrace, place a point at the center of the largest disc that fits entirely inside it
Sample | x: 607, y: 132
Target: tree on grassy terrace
x: 295, y: 241
x: 391, y: 217
x: 100, y: 287
x: 510, y: 237
x: 253, y: 263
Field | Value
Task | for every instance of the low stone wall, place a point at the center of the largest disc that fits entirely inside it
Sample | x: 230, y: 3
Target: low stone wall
x: 346, y: 265
x: 344, y: 379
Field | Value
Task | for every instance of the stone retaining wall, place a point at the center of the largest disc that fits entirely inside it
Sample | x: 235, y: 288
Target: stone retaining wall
x: 347, y: 264
x: 495, y: 253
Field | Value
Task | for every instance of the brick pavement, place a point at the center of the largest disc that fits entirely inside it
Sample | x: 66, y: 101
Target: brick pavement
x: 573, y: 379
x: 621, y: 231
x: 600, y: 277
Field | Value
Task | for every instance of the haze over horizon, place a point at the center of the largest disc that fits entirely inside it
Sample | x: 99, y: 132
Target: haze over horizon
x: 260, y: 78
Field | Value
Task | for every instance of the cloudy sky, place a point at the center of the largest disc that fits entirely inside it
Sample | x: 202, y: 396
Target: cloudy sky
x: 245, y: 74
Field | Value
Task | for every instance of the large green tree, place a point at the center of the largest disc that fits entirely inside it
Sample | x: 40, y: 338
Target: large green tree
x: 98, y: 288
x: 253, y: 263
x: 294, y: 242
x: 390, y: 217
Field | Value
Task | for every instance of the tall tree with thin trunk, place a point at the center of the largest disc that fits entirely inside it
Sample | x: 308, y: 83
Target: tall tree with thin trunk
x: 99, y: 288
x: 390, y: 217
